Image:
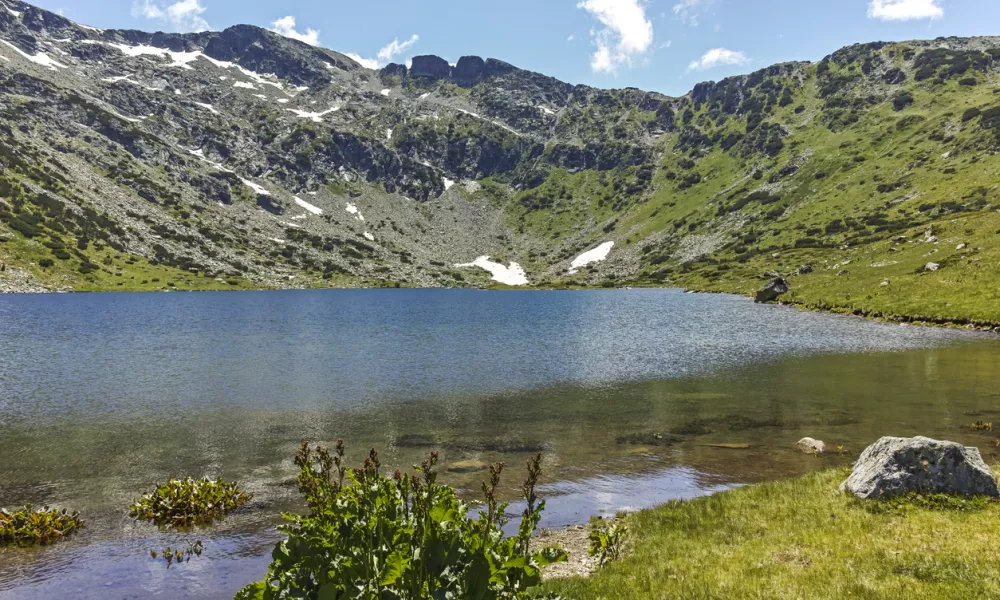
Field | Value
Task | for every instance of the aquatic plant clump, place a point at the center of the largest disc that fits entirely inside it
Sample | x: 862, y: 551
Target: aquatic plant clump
x: 369, y: 536
x: 184, y: 502
x: 29, y: 527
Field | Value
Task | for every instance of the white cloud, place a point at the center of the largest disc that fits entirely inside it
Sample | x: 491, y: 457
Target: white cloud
x: 627, y: 33
x: 286, y: 27
x: 905, y: 10
x: 571, y: 38
x: 386, y: 54
x: 688, y: 11
x: 718, y: 57
x: 183, y: 16
x: 368, y: 63
x: 396, y: 47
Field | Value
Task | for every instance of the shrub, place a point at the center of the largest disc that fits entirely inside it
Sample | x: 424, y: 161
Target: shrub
x: 971, y: 114
x: 606, y: 542
x: 368, y: 536
x: 29, y: 527
x: 184, y: 502
x: 46, y: 263
x: 901, y: 100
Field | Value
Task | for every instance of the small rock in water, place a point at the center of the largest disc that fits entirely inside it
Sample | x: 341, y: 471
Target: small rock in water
x: 468, y: 466
x: 811, y: 446
x: 893, y: 466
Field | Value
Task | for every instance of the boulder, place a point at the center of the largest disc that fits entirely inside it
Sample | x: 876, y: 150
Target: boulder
x: 805, y: 269
x: 811, y: 446
x: 931, y: 267
x: 772, y: 290
x: 893, y: 466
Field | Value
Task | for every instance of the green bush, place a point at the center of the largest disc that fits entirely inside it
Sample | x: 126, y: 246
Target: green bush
x: 368, y: 536
x: 185, y: 502
x: 606, y: 542
x: 29, y: 527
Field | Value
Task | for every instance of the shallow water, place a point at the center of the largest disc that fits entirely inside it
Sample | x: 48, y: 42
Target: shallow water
x: 635, y: 397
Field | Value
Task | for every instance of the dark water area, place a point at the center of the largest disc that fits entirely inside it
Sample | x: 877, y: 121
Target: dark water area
x: 634, y: 397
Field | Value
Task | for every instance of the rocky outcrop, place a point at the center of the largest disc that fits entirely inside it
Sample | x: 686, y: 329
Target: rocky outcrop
x: 431, y: 67
x: 894, y: 466
x: 393, y: 70
x: 468, y: 71
x: 772, y: 290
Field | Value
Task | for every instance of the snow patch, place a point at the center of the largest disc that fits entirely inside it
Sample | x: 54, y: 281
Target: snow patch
x: 424, y: 96
x: 388, y: 134
x: 598, y: 254
x: 244, y: 84
x: 41, y: 58
x: 313, y: 209
x: 316, y: 117
x: 386, y: 93
x: 512, y: 275
x: 369, y: 237
x: 283, y: 100
x: 17, y: 15
x: 201, y: 156
x: 208, y: 107
x: 447, y: 183
x: 546, y: 110
x: 255, y: 187
x: 351, y: 208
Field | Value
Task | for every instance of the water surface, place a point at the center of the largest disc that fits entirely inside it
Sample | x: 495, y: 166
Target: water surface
x: 635, y: 397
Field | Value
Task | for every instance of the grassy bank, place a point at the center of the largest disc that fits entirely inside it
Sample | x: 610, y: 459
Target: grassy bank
x: 802, y: 538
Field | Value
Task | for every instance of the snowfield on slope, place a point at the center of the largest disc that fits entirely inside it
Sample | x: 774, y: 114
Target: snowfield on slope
x: 512, y: 275
x: 598, y: 254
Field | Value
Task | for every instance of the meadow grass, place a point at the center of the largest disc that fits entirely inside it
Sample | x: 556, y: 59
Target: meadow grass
x: 802, y: 538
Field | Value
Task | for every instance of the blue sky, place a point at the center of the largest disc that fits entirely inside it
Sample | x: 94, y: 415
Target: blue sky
x: 662, y: 45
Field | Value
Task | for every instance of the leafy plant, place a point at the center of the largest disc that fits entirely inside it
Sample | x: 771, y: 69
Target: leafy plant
x: 29, y: 527
x: 170, y: 555
x: 606, y: 542
x: 374, y: 537
x: 982, y: 426
x: 185, y: 502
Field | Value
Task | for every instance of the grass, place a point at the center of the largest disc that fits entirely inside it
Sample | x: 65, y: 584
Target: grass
x: 802, y: 538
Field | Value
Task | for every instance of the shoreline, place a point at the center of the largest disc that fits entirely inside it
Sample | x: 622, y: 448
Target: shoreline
x: 969, y: 324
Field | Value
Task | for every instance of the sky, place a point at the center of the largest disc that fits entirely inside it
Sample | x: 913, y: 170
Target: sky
x: 660, y: 45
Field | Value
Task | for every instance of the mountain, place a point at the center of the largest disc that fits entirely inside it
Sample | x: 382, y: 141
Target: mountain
x: 243, y: 159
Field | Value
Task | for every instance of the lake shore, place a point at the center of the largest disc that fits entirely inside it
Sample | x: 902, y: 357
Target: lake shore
x: 798, y: 538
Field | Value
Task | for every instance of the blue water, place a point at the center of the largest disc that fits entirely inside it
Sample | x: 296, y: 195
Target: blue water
x: 103, y: 395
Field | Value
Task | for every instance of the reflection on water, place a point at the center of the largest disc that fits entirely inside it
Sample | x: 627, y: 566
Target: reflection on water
x: 634, y: 397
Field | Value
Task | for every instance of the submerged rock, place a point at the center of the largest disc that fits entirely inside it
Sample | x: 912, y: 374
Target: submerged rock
x: 772, y: 290
x: 468, y: 466
x: 811, y: 446
x: 893, y: 466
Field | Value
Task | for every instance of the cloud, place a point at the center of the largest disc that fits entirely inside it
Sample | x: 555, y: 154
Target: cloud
x: 386, y: 54
x: 571, y: 38
x: 688, y: 11
x: 286, y: 27
x: 368, y: 63
x: 394, y: 48
x: 626, y: 34
x: 183, y: 16
x: 905, y: 10
x: 718, y: 57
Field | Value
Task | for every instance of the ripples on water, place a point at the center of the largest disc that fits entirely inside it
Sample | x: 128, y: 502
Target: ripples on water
x: 102, y: 395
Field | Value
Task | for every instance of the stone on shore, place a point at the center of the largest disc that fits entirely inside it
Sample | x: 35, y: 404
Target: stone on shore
x: 894, y: 466
x: 772, y: 290
x: 468, y: 466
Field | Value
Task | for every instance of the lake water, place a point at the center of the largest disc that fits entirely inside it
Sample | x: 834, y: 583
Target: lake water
x: 635, y: 397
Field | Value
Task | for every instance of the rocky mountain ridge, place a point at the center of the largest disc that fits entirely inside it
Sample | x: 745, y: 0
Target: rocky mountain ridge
x: 241, y: 158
